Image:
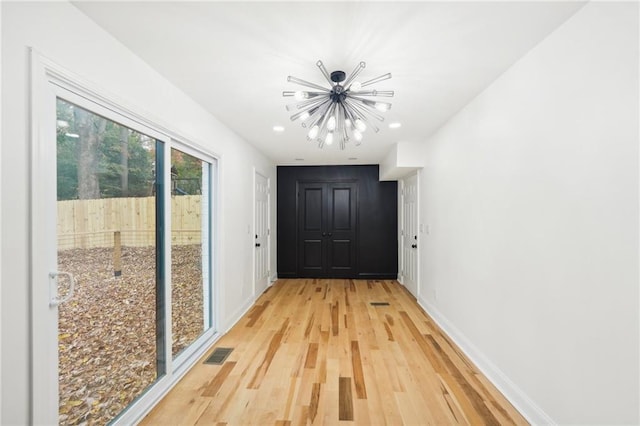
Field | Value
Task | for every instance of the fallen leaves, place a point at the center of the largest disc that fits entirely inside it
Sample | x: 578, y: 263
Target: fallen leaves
x: 107, y: 332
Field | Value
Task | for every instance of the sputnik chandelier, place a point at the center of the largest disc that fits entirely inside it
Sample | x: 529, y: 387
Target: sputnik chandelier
x: 341, y: 112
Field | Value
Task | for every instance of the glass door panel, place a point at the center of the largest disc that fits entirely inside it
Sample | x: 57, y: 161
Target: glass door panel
x: 190, y: 249
x: 109, y: 198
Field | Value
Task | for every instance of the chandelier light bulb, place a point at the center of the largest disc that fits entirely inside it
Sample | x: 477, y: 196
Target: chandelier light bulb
x: 329, y: 139
x: 313, y: 132
x: 347, y: 123
x: 360, y: 125
x: 304, y: 115
x: 355, y: 86
x: 299, y: 95
x: 357, y: 135
x: 331, y: 124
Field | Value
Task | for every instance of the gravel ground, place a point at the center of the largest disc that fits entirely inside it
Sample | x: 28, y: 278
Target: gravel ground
x: 107, y: 332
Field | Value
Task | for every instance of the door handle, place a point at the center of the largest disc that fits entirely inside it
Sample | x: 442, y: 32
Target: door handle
x: 414, y: 246
x: 330, y: 234
x: 54, y: 300
x: 324, y: 234
x: 257, y: 244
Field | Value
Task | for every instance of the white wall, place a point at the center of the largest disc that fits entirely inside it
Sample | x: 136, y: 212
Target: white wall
x: 63, y: 34
x: 0, y: 208
x: 531, y: 194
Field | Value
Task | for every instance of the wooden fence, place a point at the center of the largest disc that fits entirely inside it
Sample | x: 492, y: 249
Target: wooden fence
x: 94, y: 223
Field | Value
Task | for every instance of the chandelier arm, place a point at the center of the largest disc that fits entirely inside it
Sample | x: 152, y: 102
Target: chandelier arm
x: 324, y: 72
x: 292, y: 93
x: 315, y: 115
x: 343, y: 127
x: 321, y: 122
x: 381, y: 93
x: 377, y: 79
x: 331, y: 114
x: 322, y: 134
x: 365, y: 108
x: 386, y: 106
x: 354, y: 73
x: 339, y: 123
x: 362, y: 114
x: 352, y: 117
x: 309, y: 103
x: 349, y: 114
x: 302, y: 82
x: 299, y: 114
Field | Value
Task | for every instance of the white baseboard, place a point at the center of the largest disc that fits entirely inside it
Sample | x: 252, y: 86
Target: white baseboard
x: 238, y: 314
x: 516, y: 396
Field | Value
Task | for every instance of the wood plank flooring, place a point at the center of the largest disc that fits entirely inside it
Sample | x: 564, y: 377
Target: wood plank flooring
x: 317, y: 352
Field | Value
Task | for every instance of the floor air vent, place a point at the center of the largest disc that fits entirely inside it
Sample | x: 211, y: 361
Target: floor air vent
x: 218, y: 356
x: 380, y: 303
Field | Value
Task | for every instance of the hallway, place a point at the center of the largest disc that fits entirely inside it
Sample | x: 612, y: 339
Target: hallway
x: 317, y: 351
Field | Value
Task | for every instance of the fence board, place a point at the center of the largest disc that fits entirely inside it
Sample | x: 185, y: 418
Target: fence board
x: 92, y: 223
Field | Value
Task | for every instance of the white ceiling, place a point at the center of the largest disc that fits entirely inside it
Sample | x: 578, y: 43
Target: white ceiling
x: 233, y: 58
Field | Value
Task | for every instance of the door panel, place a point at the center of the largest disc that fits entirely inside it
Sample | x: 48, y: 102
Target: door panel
x: 342, y: 211
x: 327, y: 229
x: 341, y: 230
x: 311, y: 242
x: 312, y: 258
x: 341, y: 254
x: 313, y: 209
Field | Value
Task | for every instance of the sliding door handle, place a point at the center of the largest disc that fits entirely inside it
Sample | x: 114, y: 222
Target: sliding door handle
x: 54, y: 300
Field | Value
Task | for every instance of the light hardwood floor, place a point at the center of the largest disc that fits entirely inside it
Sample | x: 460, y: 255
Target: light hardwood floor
x: 317, y: 352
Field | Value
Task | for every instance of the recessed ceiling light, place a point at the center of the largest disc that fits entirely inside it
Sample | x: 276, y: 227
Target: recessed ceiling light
x: 278, y: 128
x: 395, y: 125
x: 299, y: 159
x: 352, y: 158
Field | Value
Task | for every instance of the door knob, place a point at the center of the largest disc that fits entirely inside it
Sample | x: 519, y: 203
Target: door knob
x: 414, y: 246
x: 257, y: 244
x: 324, y: 234
x: 330, y: 234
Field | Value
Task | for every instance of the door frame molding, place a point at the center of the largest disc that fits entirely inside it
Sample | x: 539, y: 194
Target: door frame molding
x: 49, y: 80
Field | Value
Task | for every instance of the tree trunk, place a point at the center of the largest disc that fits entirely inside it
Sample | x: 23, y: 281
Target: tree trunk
x: 90, y: 128
x: 124, y: 161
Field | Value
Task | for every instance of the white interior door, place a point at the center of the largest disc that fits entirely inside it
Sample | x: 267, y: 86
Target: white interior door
x: 261, y: 253
x: 410, y: 234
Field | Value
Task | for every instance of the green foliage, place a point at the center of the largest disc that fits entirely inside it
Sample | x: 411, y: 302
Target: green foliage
x: 139, y: 151
x: 186, y: 173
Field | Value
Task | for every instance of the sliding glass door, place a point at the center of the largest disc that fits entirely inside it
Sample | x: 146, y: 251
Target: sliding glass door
x: 122, y: 237
x: 111, y: 330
